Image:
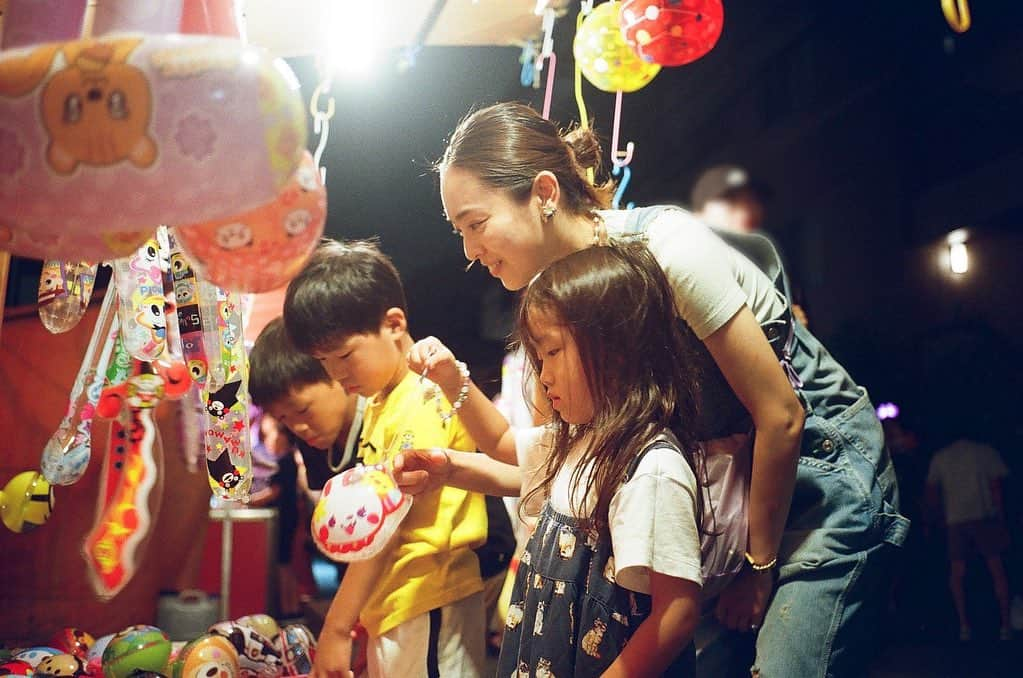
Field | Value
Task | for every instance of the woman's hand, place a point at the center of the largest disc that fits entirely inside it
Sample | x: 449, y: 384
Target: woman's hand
x: 418, y: 471
x: 437, y: 360
x: 743, y: 603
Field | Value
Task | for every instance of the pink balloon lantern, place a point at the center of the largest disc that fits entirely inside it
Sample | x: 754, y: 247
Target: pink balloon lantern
x: 263, y: 249
x: 671, y: 32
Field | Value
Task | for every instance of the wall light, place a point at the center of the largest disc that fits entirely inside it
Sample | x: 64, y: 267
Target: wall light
x: 958, y: 256
x: 887, y: 411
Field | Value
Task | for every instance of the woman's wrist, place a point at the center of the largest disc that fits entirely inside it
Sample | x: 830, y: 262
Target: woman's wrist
x: 456, y: 392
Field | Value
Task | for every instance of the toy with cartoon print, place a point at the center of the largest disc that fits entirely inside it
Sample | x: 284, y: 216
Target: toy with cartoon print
x: 61, y: 666
x: 358, y: 512
x: 141, y: 304
x: 66, y: 454
x: 263, y: 249
x: 138, y: 647
x: 65, y: 288
x: 33, y: 655
x: 257, y: 655
x: 73, y: 641
x: 26, y: 502
x: 15, y: 667
x: 297, y: 646
x: 109, y: 134
x: 226, y: 422
x: 131, y: 477
x: 208, y: 656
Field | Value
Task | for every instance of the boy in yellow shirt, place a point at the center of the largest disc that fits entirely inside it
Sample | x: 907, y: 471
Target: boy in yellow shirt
x: 420, y: 599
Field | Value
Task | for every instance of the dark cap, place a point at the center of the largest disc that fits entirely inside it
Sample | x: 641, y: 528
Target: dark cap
x: 723, y: 181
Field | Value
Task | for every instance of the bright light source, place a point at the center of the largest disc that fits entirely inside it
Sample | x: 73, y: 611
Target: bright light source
x: 887, y: 411
x: 352, y: 34
x: 958, y: 256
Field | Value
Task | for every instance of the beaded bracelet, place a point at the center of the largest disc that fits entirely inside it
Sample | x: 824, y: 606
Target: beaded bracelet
x: 463, y: 394
x: 760, y: 567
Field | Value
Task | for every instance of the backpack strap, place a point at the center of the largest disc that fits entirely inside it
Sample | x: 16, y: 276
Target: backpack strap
x: 666, y: 441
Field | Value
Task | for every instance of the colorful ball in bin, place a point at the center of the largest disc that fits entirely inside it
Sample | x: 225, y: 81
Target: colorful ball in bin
x: 257, y: 655
x: 34, y: 655
x: 208, y: 656
x: 358, y: 513
x: 603, y: 55
x: 136, y: 647
x: 26, y: 501
x: 73, y: 641
x: 671, y: 32
x: 61, y: 666
x: 298, y: 649
x: 263, y: 624
x: 15, y: 667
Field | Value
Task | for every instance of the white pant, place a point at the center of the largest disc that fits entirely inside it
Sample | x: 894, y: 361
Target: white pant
x: 448, y: 641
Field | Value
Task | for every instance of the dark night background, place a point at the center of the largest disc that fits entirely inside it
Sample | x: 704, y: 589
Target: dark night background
x: 878, y: 128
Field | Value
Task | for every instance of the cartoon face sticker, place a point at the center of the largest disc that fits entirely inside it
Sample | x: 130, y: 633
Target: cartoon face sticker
x: 144, y: 391
x: 150, y: 315
x: 223, y: 472
x: 60, y: 666
x: 179, y: 266
x: 51, y: 282
x: 296, y: 222
x: 184, y: 293
x: 223, y: 400
x: 96, y: 110
x: 233, y: 236
x: 197, y: 368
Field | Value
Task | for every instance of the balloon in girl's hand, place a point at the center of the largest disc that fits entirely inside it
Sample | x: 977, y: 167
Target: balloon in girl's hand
x: 26, y: 501
x: 170, y: 129
x: 45, y: 245
x: 358, y: 513
x: 671, y: 33
x: 604, y: 57
x: 263, y: 249
x: 65, y: 288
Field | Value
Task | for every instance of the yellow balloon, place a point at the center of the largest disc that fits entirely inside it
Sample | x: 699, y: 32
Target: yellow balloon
x: 26, y: 501
x: 604, y: 57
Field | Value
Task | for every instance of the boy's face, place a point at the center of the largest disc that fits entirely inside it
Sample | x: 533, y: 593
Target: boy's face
x: 314, y: 412
x: 370, y: 363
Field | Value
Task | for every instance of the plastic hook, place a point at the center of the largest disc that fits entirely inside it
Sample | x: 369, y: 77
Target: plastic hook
x: 619, y: 158
x: 626, y: 173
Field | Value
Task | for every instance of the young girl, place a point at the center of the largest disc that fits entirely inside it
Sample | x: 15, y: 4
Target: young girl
x: 609, y: 583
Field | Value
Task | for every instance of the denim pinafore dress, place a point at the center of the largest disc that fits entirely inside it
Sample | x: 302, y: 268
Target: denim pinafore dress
x: 568, y: 616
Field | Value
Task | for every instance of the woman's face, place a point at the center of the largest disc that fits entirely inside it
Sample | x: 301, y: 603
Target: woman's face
x: 507, y: 236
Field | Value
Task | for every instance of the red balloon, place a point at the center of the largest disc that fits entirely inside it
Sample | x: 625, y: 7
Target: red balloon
x: 671, y: 32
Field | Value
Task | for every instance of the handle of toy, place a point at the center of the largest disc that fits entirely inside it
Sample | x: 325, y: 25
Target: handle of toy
x: 65, y: 288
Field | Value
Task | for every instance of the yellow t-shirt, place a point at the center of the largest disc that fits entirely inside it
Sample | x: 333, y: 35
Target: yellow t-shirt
x: 432, y: 563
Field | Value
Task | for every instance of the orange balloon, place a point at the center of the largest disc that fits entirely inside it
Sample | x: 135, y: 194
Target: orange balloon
x: 263, y: 249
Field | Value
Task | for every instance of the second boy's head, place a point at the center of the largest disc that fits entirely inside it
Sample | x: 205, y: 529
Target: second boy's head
x: 346, y: 308
x: 293, y: 388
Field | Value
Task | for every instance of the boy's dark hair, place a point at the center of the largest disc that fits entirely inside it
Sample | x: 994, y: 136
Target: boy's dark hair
x: 344, y: 289
x: 276, y: 366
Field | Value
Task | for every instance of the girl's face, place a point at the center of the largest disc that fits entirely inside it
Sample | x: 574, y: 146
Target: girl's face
x: 507, y: 236
x: 561, y: 369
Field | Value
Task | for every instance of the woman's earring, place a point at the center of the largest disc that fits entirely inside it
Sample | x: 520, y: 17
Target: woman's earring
x: 547, y: 211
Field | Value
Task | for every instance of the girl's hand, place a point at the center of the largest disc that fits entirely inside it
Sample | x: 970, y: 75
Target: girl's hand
x: 418, y: 471
x: 432, y: 356
x: 743, y: 603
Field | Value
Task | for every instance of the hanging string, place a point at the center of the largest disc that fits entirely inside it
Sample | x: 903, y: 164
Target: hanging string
x: 547, y: 53
x: 584, y: 121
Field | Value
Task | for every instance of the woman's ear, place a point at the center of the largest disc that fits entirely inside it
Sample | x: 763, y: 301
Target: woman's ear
x: 546, y: 191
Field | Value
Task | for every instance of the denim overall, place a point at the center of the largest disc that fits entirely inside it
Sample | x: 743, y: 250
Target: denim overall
x: 844, y: 510
x: 567, y: 615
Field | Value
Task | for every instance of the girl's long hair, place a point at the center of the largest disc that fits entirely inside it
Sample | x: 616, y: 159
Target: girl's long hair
x: 636, y: 353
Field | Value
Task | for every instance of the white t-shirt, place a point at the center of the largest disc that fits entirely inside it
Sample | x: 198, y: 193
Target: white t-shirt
x: 964, y: 470
x: 711, y: 280
x: 652, y: 517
